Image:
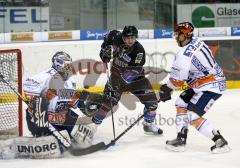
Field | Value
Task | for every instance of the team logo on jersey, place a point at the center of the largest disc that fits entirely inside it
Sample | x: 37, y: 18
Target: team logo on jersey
x: 126, y: 58
x: 57, y: 118
x: 139, y: 58
x: 199, y: 66
x: 60, y: 113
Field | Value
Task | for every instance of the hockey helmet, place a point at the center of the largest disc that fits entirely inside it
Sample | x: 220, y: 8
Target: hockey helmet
x: 186, y: 28
x: 130, y: 31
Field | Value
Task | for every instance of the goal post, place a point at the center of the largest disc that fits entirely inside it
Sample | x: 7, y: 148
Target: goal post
x: 10, y: 104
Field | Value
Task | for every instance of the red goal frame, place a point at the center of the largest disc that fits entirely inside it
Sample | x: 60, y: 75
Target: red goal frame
x: 19, y: 63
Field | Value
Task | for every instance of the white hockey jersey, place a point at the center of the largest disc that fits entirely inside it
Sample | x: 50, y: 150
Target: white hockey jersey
x: 196, y: 65
x: 49, y: 84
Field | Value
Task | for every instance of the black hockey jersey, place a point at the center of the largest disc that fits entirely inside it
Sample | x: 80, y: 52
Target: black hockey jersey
x: 125, y: 58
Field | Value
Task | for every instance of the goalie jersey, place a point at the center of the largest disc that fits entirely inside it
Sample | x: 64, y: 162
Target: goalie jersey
x: 52, y: 98
x: 196, y: 66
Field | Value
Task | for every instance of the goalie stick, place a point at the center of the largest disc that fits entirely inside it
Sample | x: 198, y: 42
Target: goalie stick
x: 74, y: 151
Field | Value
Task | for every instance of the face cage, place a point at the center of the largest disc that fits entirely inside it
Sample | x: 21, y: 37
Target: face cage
x: 66, y: 71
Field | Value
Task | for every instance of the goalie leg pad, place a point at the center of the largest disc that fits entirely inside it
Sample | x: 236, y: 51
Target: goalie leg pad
x: 30, y: 147
x: 83, y: 134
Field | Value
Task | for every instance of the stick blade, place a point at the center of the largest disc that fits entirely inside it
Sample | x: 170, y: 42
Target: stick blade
x: 88, y: 150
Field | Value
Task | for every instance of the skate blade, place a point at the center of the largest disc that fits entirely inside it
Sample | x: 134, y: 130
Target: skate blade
x: 151, y: 133
x: 223, y: 149
x: 175, y: 149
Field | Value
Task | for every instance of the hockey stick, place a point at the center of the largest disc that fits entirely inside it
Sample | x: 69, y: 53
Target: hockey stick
x: 58, y: 135
x: 124, y: 132
x: 108, y: 77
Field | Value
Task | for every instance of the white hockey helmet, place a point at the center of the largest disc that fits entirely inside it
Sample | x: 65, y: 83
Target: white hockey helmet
x: 62, y: 62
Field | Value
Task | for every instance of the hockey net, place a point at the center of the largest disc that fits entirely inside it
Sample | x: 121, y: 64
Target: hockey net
x: 10, y: 104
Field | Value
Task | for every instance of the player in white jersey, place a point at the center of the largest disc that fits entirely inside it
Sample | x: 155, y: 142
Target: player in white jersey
x: 196, y: 66
x: 52, y: 99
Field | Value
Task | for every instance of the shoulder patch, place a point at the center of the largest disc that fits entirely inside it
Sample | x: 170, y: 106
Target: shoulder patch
x: 139, y: 58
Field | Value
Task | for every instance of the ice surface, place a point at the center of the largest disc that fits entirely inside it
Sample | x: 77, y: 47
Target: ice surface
x: 143, y: 151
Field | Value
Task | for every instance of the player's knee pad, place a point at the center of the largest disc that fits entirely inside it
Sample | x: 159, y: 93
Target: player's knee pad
x: 83, y: 134
x: 30, y: 147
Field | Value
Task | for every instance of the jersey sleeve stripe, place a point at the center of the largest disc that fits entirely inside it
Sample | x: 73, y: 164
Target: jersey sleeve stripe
x: 210, y: 53
x: 206, y: 57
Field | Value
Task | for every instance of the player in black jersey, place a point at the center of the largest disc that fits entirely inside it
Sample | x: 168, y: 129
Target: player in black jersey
x: 127, y: 74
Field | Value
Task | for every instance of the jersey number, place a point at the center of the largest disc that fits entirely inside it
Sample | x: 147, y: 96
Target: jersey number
x: 188, y: 50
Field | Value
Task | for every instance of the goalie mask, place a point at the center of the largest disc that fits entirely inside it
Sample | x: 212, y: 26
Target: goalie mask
x: 62, y: 63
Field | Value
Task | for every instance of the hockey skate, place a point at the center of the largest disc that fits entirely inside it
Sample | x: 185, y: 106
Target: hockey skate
x: 178, y: 144
x: 151, y: 129
x: 221, y: 145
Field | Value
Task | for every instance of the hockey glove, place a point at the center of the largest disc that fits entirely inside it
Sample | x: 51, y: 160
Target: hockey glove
x: 165, y: 93
x: 105, y: 54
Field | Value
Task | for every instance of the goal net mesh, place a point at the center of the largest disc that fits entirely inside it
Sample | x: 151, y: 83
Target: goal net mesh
x: 10, y: 105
